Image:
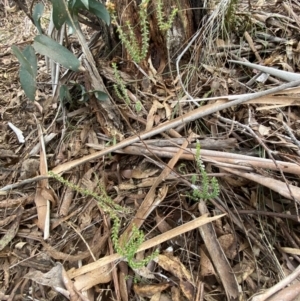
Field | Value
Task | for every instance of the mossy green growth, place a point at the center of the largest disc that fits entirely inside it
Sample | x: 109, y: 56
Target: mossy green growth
x: 165, y: 23
x: 210, y: 186
x: 137, y: 52
x: 132, y: 245
x: 230, y: 17
x: 120, y: 87
x: 108, y: 206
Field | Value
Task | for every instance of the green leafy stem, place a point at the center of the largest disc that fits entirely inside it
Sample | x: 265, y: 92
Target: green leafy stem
x: 210, y: 186
x: 108, y: 206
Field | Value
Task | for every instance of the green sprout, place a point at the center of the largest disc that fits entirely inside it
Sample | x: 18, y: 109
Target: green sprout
x: 108, y: 206
x: 210, y: 187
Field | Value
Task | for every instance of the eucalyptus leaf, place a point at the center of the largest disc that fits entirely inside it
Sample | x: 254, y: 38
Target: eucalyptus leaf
x: 85, y: 3
x: 28, y: 83
x: 94, y: 7
x: 100, y: 95
x: 29, y: 54
x: 48, y: 47
x: 23, y: 60
x: 59, y: 13
x: 73, y: 4
x: 64, y: 94
x: 37, y: 14
x: 99, y: 10
x: 81, y: 94
x: 28, y: 70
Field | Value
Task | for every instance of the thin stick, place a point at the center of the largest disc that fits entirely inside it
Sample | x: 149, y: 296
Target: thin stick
x: 191, y: 116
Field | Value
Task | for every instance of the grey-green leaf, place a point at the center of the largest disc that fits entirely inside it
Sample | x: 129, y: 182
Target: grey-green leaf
x: 64, y: 94
x: 28, y: 83
x: 99, y: 10
x: 85, y: 3
x: 29, y: 54
x: 59, y: 13
x: 36, y: 16
x: 48, y: 47
x: 28, y: 70
x: 22, y: 59
x: 100, y: 95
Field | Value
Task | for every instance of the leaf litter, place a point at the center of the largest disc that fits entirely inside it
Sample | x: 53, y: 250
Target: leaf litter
x: 246, y: 247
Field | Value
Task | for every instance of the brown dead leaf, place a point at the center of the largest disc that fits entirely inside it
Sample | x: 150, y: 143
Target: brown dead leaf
x: 264, y: 130
x: 243, y: 269
x: 175, y: 293
x: 144, y: 272
x: 150, y: 289
x: 70, y: 287
x: 94, y: 277
x: 53, y: 278
x: 162, y: 225
x: 99, y: 245
x: 174, y: 266
x: 29, y: 168
x: 188, y: 289
x: 271, y: 183
x: 229, y: 245
x: 84, y: 133
x: 141, y: 173
x: 41, y: 206
x: 165, y: 297
x: 168, y: 110
x: 13, y: 230
x: 151, y: 115
x: 48, y: 194
x: 235, y: 181
x: 156, y: 297
x: 207, y: 268
x: 92, y: 137
x: 5, y: 221
x: 123, y: 273
x: 68, y: 196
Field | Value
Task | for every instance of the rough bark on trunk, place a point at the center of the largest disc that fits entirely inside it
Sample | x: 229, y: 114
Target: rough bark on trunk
x: 163, y: 45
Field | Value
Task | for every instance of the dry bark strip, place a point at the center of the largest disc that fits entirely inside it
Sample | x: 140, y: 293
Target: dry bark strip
x: 218, y: 257
x: 188, y: 117
x: 293, y: 193
x: 216, y: 157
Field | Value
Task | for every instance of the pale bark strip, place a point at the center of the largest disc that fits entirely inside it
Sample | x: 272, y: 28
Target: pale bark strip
x: 188, y: 117
x: 218, y: 257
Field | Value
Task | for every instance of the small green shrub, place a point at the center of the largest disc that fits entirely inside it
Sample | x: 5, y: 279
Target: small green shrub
x: 108, y: 206
x: 210, y: 187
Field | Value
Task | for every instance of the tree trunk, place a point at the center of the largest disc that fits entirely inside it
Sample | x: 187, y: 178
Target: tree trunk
x: 164, y: 46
